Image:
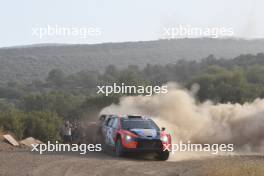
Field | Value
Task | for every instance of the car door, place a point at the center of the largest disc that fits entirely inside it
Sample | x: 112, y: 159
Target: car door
x: 114, y: 130
x: 109, y: 131
x: 105, y: 126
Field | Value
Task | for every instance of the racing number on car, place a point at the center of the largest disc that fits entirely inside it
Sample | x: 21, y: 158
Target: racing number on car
x: 111, y: 131
x: 108, y: 134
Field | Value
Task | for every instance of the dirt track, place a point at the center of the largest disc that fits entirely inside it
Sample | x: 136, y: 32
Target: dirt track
x: 24, y: 163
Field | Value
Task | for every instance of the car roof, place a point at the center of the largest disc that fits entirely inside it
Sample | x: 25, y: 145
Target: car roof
x: 127, y: 117
x: 134, y: 117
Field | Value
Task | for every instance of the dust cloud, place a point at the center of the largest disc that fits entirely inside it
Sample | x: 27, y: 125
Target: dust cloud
x: 190, y: 120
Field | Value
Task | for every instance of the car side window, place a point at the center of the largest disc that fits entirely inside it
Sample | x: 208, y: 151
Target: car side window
x: 115, y: 123
x: 110, y: 122
x: 102, y: 118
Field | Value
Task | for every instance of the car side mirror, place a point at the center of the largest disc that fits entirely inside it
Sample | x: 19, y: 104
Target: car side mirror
x: 163, y: 128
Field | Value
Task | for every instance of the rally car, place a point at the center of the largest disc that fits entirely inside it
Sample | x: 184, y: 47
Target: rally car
x: 134, y: 134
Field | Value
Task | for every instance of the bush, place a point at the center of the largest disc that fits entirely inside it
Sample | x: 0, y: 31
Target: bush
x: 65, y: 105
x: 13, y: 120
x: 43, y: 125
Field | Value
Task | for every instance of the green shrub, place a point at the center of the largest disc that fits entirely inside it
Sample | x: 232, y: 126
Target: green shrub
x: 13, y: 120
x: 43, y: 125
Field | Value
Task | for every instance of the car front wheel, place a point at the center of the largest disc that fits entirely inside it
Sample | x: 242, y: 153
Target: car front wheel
x: 119, y: 148
x: 163, y: 155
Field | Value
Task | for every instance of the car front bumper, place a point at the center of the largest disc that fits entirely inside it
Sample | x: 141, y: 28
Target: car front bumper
x: 146, y: 145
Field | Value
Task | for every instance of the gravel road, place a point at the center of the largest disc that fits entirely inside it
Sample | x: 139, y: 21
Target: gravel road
x: 25, y: 163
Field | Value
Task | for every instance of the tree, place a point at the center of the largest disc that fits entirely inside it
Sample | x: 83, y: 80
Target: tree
x: 43, y: 125
x: 65, y: 105
x: 255, y: 75
x: 13, y: 120
x: 56, y: 77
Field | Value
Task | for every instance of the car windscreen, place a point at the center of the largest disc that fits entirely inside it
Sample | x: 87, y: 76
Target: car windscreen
x: 138, y: 124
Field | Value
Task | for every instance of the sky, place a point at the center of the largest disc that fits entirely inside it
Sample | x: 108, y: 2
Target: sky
x: 124, y: 20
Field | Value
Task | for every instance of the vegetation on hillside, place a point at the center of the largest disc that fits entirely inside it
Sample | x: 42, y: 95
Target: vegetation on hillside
x: 29, y: 63
x: 39, y: 108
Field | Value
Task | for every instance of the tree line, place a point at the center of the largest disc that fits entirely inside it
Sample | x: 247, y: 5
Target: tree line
x: 39, y: 108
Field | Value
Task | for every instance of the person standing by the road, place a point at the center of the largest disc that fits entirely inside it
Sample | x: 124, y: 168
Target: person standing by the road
x: 75, y: 131
x: 67, y: 132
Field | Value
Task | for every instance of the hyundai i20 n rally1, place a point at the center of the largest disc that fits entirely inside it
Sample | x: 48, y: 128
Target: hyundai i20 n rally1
x: 126, y: 134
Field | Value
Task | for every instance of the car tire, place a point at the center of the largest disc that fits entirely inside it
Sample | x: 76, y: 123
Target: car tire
x: 163, y: 156
x: 119, y: 149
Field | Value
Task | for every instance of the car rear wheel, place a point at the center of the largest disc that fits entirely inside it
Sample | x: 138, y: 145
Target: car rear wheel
x: 163, y: 155
x: 119, y: 148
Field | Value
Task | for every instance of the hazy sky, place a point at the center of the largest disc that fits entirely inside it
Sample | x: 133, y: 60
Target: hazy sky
x: 125, y: 20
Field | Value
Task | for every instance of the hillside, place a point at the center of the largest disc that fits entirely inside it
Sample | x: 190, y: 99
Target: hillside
x: 35, y: 61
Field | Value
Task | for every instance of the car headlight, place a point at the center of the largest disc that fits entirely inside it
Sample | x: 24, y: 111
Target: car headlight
x: 128, y: 138
x: 164, y: 138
